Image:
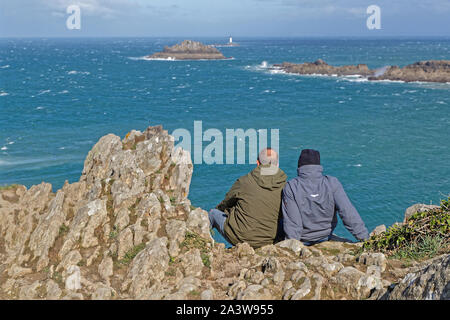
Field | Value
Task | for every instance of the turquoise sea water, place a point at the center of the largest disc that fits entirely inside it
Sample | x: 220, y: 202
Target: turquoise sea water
x: 388, y: 142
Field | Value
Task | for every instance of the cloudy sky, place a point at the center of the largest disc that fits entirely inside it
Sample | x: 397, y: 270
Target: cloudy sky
x: 265, y: 18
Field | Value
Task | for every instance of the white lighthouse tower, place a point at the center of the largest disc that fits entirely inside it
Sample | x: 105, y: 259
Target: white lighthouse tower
x: 231, y: 40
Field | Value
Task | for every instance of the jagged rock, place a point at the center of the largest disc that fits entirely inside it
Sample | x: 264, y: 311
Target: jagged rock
x: 72, y: 258
x: 73, y: 281
x: 192, y: 263
x: 102, y: 293
x: 376, y: 258
x: 176, y: 230
x: 318, y: 280
x: 278, y: 277
x: 378, y: 230
x: 297, y: 276
x: 270, y: 265
x: 17, y: 271
x: 53, y: 290
x: 149, y: 265
x: 198, y: 222
x: 304, y: 289
x: 297, y: 265
x: 418, y: 207
x: 29, y: 292
x: 348, y: 280
x: 244, y: 249
x: 429, y: 283
x: 305, y: 253
x: 291, y: 244
x: 236, y: 288
x: 125, y: 242
x: 330, y: 269
x: 255, y: 292
x: 289, y: 293
x: 44, y: 236
x: 106, y: 268
x: 207, y: 294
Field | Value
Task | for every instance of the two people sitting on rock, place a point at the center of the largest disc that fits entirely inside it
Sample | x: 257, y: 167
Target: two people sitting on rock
x: 261, y: 208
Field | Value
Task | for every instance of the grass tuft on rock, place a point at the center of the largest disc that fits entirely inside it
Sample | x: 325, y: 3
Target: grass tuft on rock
x: 129, y: 256
x: 424, y: 235
x: 193, y: 240
x: 8, y: 187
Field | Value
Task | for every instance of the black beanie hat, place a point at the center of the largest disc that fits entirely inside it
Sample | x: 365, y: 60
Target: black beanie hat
x: 308, y: 156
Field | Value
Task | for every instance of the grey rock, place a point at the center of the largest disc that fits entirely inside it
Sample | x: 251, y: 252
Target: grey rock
x: 418, y: 207
x: 430, y: 283
x: 291, y: 244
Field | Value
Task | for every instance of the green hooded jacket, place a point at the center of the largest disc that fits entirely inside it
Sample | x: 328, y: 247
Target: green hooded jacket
x: 253, y: 207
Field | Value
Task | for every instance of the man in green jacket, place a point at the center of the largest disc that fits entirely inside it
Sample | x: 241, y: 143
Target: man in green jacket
x: 250, y: 211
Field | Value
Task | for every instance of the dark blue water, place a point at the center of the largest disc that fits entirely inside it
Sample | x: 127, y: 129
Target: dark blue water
x: 387, y: 142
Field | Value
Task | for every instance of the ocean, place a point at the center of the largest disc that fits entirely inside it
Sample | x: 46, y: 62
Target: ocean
x: 387, y: 142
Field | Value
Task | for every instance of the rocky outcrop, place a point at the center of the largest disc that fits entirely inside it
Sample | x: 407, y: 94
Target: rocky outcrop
x: 429, y: 283
x: 425, y: 71
x: 188, y: 50
x: 126, y: 230
x: 322, y: 68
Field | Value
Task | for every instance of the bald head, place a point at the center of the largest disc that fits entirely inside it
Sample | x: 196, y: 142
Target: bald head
x: 268, y: 156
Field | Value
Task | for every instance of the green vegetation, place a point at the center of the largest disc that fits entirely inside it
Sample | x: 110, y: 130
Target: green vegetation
x: 8, y: 187
x: 205, y: 260
x: 423, y: 235
x: 58, y: 278
x: 129, y: 256
x: 114, y: 233
x: 193, y: 240
x: 63, y: 229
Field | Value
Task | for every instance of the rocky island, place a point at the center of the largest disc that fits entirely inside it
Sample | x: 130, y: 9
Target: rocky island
x: 127, y: 230
x: 424, y: 71
x: 188, y: 50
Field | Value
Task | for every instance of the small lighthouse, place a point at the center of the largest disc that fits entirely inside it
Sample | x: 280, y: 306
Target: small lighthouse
x: 231, y: 40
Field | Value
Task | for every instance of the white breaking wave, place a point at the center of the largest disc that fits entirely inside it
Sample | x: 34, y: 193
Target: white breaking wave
x: 78, y: 72
x: 44, y: 92
x: 5, y: 66
x: 2, y: 94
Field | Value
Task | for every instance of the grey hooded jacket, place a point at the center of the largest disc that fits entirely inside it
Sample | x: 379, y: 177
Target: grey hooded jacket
x: 309, y: 205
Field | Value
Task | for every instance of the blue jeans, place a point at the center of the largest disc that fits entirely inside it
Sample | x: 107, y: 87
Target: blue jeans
x: 217, y: 220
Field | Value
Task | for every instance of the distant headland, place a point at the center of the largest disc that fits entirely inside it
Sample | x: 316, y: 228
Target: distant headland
x: 188, y: 50
x: 423, y: 71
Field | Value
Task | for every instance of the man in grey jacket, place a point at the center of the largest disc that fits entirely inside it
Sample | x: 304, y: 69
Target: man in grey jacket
x: 310, y: 202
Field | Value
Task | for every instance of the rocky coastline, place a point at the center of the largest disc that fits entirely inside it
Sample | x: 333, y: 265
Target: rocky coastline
x: 422, y: 71
x: 188, y: 50
x: 127, y: 230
